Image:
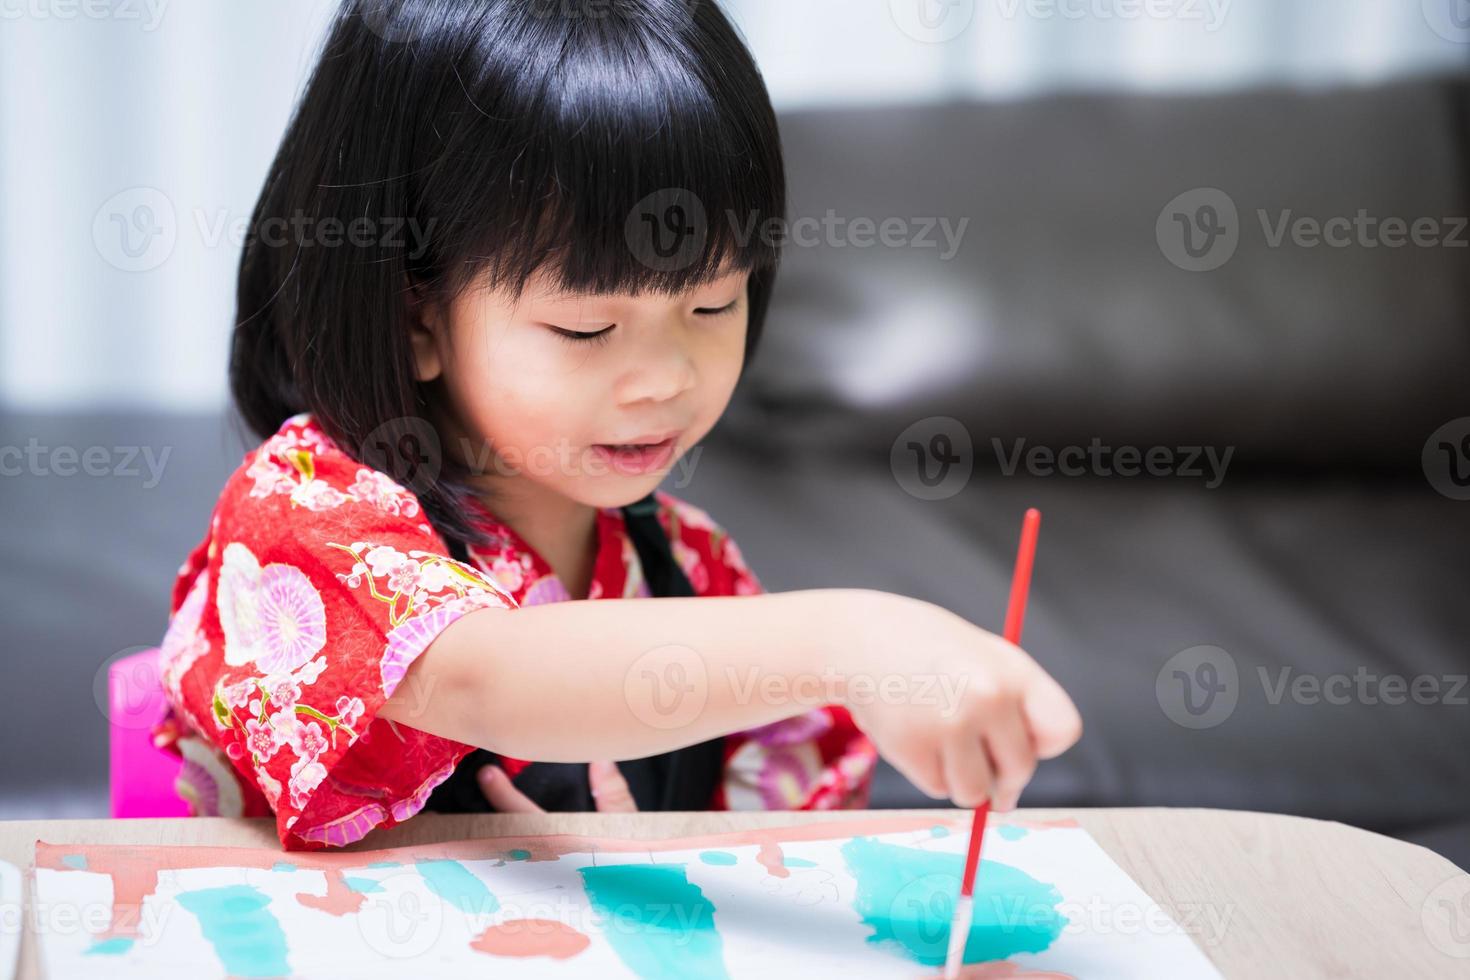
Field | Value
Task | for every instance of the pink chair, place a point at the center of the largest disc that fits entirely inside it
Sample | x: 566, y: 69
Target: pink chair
x: 141, y: 775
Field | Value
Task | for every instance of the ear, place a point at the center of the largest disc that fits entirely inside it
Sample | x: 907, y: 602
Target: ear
x: 428, y: 330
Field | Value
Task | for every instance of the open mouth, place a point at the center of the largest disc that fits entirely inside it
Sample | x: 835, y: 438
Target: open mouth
x: 637, y: 458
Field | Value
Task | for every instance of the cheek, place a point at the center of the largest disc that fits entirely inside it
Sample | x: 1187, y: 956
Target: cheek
x: 721, y: 361
x: 520, y: 390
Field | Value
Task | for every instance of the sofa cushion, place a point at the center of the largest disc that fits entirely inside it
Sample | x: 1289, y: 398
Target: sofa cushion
x: 1059, y: 317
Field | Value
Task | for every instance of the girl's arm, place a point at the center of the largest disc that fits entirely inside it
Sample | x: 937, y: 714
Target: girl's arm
x: 570, y: 681
x: 957, y: 710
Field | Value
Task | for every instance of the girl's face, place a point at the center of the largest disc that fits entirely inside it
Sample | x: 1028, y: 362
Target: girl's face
x: 544, y: 387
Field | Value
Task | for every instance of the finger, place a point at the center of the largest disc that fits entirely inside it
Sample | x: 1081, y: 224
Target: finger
x: 967, y: 772
x: 1012, y: 757
x: 502, y: 794
x: 927, y: 776
x: 1051, y: 717
x: 610, y: 789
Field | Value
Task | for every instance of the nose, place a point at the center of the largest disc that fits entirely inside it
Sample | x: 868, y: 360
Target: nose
x: 659, y: 371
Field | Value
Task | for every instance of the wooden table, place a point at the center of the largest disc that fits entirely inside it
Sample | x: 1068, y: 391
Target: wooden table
x: 1262, y: 895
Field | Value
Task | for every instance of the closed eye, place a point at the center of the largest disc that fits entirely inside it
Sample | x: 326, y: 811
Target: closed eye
x: 717, y: 310
x: 577, y: 337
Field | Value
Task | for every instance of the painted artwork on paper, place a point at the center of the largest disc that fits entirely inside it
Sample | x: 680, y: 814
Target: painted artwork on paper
x: 866, y: 897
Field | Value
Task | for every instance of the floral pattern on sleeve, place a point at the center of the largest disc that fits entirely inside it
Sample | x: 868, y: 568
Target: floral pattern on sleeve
x: 318, y: 586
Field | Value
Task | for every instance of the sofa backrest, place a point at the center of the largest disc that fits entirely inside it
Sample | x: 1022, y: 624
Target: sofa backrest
x: 1071, y: 309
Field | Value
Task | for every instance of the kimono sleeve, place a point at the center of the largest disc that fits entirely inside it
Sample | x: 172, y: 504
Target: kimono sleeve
x: 819, y: 760
x: 325, y: 584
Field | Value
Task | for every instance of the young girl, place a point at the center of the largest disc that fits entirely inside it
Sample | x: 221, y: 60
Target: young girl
x: 501, y: 278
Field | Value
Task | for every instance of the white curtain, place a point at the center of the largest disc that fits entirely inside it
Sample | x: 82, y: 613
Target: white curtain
x: 134, y: 135
x: 132, y: 147
x: 826, y: 51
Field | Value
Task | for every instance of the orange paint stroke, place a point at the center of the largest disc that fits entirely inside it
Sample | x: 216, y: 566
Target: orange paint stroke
x: 771, y: 858
x: 339, y: 899
x: 531, y: 937
x: 134, y: 869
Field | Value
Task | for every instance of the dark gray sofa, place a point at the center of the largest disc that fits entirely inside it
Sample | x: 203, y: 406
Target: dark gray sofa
x: 1327, y: 550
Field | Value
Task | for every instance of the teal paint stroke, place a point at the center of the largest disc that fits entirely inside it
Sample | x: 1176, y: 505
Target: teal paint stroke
x: 384, y: 864
x: 722, y: 858
x: 519, y: 855
x: 1011, y: 831
x: 77, y: 862
x: 283, y: 866
x: 906, y: 896
x: 798, y: 863
x: 938, y: 831
x: 238, y: 923
x: 454, y: 883
x: 362, y: 884
x: 658, y: 923
x: 115, y: 946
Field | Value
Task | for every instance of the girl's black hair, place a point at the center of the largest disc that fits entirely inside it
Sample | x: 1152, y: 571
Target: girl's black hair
x: 622, y: 145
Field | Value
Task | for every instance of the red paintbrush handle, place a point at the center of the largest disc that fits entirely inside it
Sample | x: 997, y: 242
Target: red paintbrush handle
x: 1015, y: 615
x: 1021, y: 579
x: 972, y: 858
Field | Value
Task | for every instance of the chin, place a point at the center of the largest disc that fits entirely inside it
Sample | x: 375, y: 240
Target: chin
x: 617, y: 490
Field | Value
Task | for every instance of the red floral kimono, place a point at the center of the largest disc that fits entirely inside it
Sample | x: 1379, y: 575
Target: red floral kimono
x: 319, y: 583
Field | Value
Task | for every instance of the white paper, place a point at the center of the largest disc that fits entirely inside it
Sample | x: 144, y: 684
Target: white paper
x: 860, y: 900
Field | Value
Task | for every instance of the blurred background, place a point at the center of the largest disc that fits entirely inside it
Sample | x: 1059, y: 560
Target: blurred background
x: 1188, y: 275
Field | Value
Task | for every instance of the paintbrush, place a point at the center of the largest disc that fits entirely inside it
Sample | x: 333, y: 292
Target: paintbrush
x: 964, y: 909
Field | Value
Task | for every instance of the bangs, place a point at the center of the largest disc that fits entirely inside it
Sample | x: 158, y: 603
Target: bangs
x: 619, y: 166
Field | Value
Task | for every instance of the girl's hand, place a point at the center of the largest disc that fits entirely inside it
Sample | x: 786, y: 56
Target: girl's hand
x: 609, y: 789
x: 959, y: 711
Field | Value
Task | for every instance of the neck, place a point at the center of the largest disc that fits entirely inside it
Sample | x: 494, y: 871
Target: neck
x: 562, y: 531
